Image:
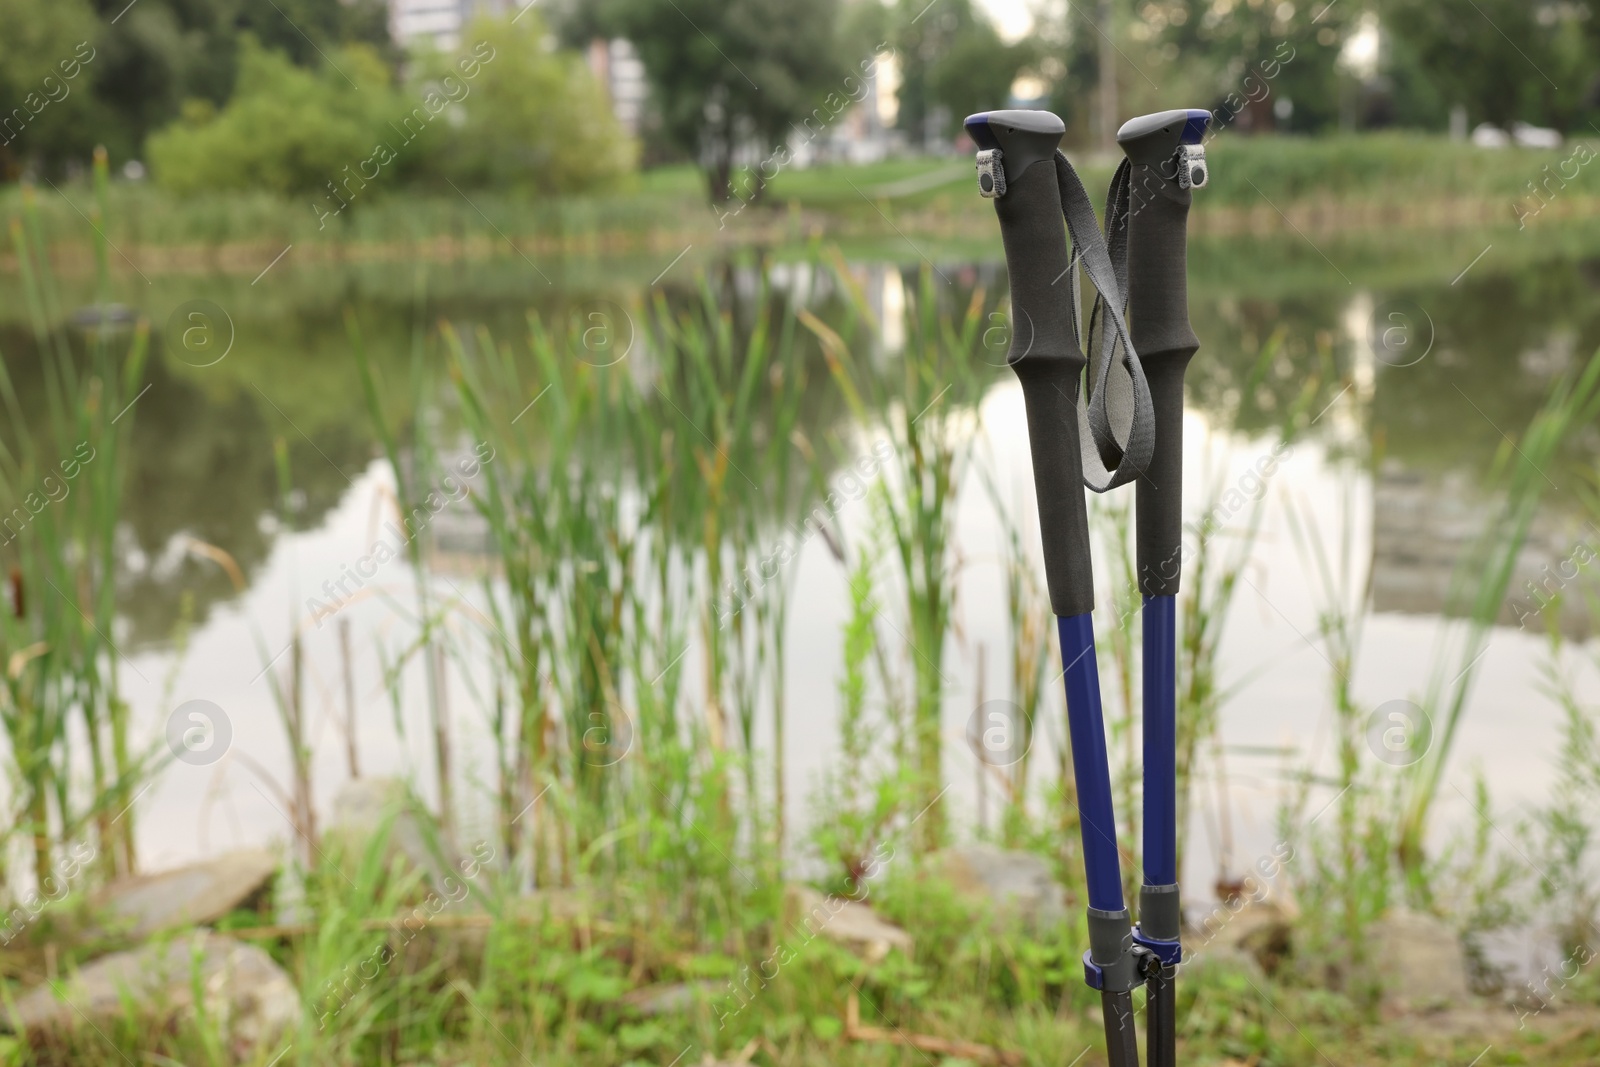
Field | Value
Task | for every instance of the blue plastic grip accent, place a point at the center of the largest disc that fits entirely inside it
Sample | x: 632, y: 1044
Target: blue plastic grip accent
x: 1194, y: 130
x: 978, y: 129
x: 1090, y: 767
x: 1093, y: 976
x: 1160, y: 741
x: 1168, y: 952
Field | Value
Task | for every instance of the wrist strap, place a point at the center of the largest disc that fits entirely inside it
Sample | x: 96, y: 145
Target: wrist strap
x: 1116, y: 424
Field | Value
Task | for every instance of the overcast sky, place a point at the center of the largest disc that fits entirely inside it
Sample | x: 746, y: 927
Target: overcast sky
x: 1010, y: 16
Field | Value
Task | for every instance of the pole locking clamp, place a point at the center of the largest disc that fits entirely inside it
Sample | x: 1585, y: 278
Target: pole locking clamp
x: 991, y: 174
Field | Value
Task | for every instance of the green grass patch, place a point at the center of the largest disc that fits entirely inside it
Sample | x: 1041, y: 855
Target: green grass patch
x: 1404, y: 174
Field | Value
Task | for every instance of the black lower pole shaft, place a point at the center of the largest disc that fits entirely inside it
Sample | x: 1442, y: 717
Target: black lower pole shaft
x: 1161, y: 1018
x: 1122, y: 1041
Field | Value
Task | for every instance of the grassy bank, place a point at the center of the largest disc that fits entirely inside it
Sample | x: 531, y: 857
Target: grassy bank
x: 589, y: 977
x: 626, y: 643
x: 1259, y: 185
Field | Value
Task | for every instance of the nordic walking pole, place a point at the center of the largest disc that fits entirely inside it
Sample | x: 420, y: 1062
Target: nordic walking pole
x: 1166, y: 163
x: 1019, y: 167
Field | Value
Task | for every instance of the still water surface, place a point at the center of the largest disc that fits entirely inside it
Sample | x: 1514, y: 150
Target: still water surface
x: 1424, y: 378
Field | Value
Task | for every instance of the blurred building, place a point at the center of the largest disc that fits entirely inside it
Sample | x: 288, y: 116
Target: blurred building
x: 439, y: 22
x: 616, y: 66
x: 861, y: 132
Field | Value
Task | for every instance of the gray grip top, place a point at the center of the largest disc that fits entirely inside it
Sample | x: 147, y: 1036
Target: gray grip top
x: 1023, y: 137
x: 1154, y: 138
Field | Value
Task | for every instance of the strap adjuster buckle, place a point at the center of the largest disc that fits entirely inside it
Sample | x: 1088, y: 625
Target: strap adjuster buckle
x: 991, y: 174
x: 1192, y: 172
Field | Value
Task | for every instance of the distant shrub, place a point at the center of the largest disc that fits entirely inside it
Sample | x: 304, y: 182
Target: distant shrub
x: 286, y: 129
x: 504, y: 111
x: 533, y: 118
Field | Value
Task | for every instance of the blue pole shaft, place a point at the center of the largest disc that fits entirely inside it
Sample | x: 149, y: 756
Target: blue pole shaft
x: 1160, y: 741
x: 1090, y: 766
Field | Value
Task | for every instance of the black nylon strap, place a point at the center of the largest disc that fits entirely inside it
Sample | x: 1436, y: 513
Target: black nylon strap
x: 1117, y: 417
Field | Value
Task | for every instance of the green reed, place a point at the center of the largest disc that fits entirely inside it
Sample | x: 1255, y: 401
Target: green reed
x: 1217, y: 551
x: 62, y: 477
x: 1340, y: 883
x: 1029, y: 624
x: 1368, y: 852
x: 1478, y: 591
x: 641, y: 459
x: 634, y: 630
x: 415, y: 469
x: 921, y: 401
x: 553, y: 509
x: 736, y: 391
x: 1565, y: 828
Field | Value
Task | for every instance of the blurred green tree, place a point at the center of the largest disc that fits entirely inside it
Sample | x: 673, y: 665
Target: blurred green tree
x: 307, y: 30
x: 1069, y: 64
x: 45, y: 87
x: 1257, y: 65
x: 504, y: 111
x: 1533, y: 61
x: 952, y: 63
x: 732, y: 74
x: 157, y: 54
x: 149, y: 57
x: 533, y: 119
x: 286, y: 129
x: 153, y: 58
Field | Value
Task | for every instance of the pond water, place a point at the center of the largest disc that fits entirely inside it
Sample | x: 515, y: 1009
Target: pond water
x: 1432, y: 359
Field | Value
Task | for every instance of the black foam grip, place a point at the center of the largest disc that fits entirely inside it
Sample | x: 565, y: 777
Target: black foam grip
x: 1158, y: 309
x: 1050, y: 364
